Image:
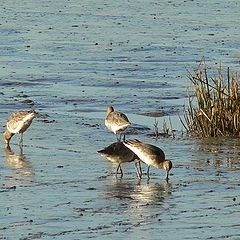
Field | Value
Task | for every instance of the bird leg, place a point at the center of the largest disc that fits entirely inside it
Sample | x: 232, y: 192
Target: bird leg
x: 148, y: 172
x: 121, y: 172
x: 117, y: 170
x: 119, y: 137
x: 21, y: 149
x: 167, y: 176
x: 139, y: 170
x: 140, y: 167
x: 138, y: 174
x: 20, y: 139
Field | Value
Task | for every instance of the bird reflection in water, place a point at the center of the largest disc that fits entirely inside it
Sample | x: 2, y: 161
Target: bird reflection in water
x: 141, y: 193
x: 154, y: 192
x: 21, y: 167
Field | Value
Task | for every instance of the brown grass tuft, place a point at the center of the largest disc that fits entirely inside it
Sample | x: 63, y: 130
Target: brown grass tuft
x: 214, y: 108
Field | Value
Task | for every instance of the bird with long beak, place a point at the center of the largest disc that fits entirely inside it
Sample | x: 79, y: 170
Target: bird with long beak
x: 18, y: 123
x: 149, y: 154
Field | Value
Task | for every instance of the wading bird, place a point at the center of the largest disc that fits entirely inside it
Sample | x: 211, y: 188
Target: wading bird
x: 18, y: 123
x: 116, y: 122
x: 149, y: 154
x: 118, y: 153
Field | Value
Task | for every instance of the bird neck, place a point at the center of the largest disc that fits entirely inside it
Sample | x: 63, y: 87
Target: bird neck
x: 160, y: 165
x: 7, y: 136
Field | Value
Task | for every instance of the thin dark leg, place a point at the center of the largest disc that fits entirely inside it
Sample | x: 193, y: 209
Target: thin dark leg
x: 138, y: 173
x: 140, y: 167
x: 21, y: 149
x: 117, y: 170
x: 139, y: 170
x: 20, y: 139
x: 119, y: 137
x: 167, y: 176
x: 148, y: 172
x: 121, y: 172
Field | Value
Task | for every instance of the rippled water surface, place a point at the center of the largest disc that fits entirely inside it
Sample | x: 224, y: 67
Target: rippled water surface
x: 69, y: 60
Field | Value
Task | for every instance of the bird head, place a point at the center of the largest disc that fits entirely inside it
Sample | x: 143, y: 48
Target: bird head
x: 7, y: 137
x: 167, y: 165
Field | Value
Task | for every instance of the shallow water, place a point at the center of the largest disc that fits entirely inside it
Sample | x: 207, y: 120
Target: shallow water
x: 69, y: 60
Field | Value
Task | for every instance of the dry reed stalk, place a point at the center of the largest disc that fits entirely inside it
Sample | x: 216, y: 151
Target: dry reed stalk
x: 214, y: 110
x: 166, y: 130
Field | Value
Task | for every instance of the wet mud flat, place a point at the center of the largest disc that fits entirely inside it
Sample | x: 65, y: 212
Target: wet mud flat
x: 65, y: 189
x: 73, y: 194
x: 69, y: 60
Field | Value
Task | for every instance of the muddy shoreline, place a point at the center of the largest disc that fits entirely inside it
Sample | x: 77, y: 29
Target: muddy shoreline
x: 69, y: 60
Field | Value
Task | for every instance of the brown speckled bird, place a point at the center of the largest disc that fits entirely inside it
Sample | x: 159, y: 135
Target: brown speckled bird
x: 18, y: 123
x: 116, y: 122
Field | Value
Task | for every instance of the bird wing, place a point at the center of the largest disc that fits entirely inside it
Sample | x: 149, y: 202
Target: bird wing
x: 120, y: 118
x: 144, y: 151
x: 17, y: 120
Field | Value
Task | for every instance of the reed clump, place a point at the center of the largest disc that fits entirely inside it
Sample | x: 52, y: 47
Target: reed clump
x: 214, y: 107
x: 167, y: 129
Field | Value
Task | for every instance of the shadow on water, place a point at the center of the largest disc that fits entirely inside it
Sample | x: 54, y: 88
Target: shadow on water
x: 21, y: 168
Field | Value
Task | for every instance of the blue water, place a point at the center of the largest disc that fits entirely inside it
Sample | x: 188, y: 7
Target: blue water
x: 69, y: 60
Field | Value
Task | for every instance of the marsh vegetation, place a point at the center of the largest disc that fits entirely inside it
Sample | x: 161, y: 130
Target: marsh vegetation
x: 213, y: 103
